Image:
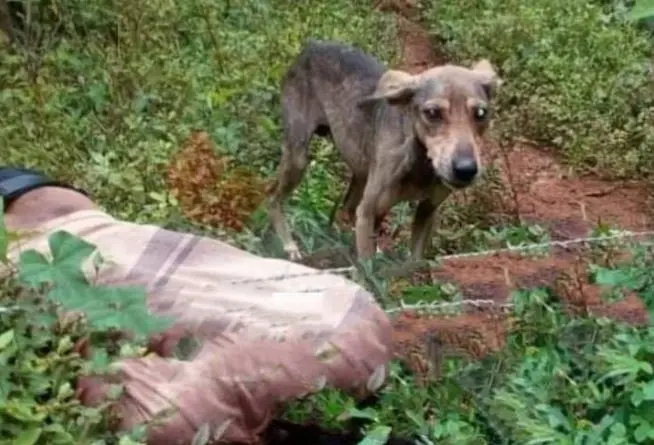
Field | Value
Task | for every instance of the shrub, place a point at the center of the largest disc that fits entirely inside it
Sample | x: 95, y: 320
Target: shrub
x: 575, y: 79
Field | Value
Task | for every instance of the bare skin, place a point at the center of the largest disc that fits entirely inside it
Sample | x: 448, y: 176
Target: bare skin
x: 44, y: 204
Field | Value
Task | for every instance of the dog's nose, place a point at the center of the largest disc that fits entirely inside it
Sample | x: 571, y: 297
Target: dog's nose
x: 464, y: 168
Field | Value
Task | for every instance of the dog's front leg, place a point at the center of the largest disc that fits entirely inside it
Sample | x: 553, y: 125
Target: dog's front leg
x: 423, y: 223
x: 366, y: 238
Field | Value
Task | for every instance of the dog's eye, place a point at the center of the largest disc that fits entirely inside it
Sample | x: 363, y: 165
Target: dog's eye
x: 433, y: 113
x: 481, y: 113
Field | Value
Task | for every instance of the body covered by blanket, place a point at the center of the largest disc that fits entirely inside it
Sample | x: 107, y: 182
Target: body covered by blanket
x: 261, y: 342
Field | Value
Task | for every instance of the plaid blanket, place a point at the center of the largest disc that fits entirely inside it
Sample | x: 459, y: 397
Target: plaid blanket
x: 266, y: 332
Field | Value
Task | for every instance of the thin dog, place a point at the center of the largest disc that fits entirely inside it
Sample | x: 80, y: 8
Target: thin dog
x: 404, y: 137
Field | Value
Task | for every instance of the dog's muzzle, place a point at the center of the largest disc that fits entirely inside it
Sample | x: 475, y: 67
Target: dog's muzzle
x: 464, y: 169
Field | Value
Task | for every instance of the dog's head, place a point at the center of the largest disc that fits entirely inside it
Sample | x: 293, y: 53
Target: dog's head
x: 449, y: 107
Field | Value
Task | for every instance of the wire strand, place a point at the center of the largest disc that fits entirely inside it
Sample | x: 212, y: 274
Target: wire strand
x: 523, y: 248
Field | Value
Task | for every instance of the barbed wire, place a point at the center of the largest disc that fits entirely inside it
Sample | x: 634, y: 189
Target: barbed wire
x: 522, y: 248
x: 440, y: 307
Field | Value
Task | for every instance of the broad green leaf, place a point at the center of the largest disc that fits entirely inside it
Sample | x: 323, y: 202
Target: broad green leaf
x: 648, y: 390
x: 642, y: 9
x: 23, y: 412
x: 557, y: 419
x: 34, y: 268
x: 122, y: 308
x: 6, y: 338
x: 99, y: 359
x: 68, y: 253
x: 619, y: 429
x: 611, y: 277
x: 644, y: 432
x: 28, y: 437
x: 377, y: 436
x: 72, y: 294
x: 637, y: 397
x: 57, y: 430
x: 355, y: 413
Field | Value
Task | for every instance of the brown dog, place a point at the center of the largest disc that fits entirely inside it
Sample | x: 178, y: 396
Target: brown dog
x: 404, y: 137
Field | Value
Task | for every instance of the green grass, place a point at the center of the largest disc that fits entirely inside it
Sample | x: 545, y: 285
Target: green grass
x: 109, y: 96
x: 577, y: 75
x: 108, y: 116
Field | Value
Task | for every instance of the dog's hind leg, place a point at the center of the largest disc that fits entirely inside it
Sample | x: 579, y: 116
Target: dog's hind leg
x: 290, y: 172
x: 369, y: 214
x: 300, y: 118
x: 353, y: 197
x: 350, y: 200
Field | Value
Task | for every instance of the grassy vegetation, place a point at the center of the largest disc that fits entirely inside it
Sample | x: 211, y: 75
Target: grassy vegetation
x: 106, y: 109
x: 39, y: 352
x: 578, y: 75
x: 105, y: 94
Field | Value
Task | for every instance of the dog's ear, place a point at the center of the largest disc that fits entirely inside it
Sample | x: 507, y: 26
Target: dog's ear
x: 395, y: 86
x: 488, y: 78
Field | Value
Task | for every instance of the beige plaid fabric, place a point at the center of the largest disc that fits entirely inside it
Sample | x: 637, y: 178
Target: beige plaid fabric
x: 261, y: 343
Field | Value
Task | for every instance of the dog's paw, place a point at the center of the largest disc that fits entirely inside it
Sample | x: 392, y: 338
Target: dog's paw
x: 293, y: 252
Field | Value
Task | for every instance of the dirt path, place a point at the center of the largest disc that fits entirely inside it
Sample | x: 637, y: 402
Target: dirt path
x: 540, y: 190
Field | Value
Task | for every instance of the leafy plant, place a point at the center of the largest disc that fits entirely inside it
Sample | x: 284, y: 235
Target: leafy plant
x: 642, y: 9
x: 39, y: 338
